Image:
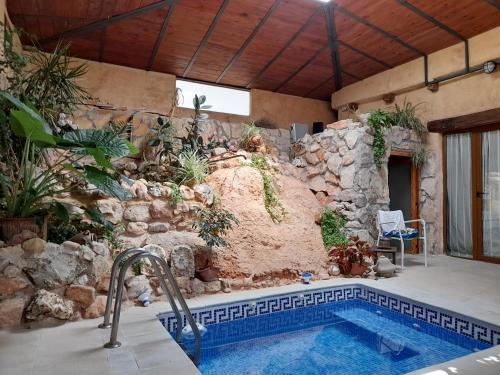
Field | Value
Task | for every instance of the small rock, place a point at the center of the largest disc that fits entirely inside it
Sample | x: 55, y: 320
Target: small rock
x: 12, y: 271
x: 136, y: 285
x: 186, y: 192
x: 213, y: 286
x: 10, y: 285
x: 219, y: 151
x: 11, y: 312
x: 82, y: 280
x: 139, y: 212
x: 35, y: 245
x: 111, y: 208
x: 182, y: 261
x: 226, y: 286
x: 204, y: 194
x: 49, y: 305
x: 299, y: 162
x: 81, y: 294
x: 102, y: 285
x: 137, y: 228
x: 100, y: 248
x: 130, y: 166
x: 70, y: 246
x: 86, y: 253
x: 197, y: 287
x: 160, y: 209
x: 158, y: 227
x: 157, y: 250
x: 96, y: 309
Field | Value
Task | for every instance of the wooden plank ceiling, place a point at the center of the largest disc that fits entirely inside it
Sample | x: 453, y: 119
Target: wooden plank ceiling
x: 299, y: 47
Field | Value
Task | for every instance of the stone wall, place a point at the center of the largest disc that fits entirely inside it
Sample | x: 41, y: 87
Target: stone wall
x: 95, y: 117
x: 338, y: 165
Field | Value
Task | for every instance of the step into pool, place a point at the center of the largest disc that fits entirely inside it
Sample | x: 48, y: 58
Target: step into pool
x: 345, y: 334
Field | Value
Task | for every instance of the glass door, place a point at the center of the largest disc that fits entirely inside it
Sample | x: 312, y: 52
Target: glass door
x: 490, y: 194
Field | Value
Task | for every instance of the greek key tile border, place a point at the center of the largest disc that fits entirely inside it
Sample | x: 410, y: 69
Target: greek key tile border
x: 462, y: 325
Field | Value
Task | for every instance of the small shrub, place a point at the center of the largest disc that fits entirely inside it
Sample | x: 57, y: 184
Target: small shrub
x: 213, y: 224
x: 251, y: 137
x: 379, y: 120
x: 332, y: 229
x: 405, y: 117
x: 175, y: 195
x: 193, y: 167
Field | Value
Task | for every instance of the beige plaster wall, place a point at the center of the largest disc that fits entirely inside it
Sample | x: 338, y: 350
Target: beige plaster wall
x: 150, y: 91
x: 469, y: 94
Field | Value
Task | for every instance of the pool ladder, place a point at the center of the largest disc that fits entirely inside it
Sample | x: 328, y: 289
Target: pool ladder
x: 161, y: 270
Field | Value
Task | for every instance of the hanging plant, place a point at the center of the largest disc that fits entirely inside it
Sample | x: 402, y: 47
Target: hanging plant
x: 379, y: 120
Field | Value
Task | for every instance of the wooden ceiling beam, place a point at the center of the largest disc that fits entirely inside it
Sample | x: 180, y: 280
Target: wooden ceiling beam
x: 161, y: 34
x: 432, y: 20
x: 363, y: 53
x: 105, y: 22
x: 205, y: 37
x: 248, y: 40
x: 334, y: 45
x: 495, y: 3
x: 284, y: 48
x: 386, y: 34
x: 302, y: 67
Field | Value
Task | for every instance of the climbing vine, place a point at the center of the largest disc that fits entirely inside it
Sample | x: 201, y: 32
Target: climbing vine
x: 379, y: 120
x: 271, y: 202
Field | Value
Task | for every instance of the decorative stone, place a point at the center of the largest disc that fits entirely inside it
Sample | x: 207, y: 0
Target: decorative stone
x: 182, y: 261
x: 226, y: 286
x: 186, y: 192
x: 11, y: 312
x: 10, y: 285
x: 137, y: 228
x: 218, y: 151
x: 96, y: 309
x: 99, y: 267
x: 197, y: 287
x: 19, y: 238
x: 312, y: 158
x: 86, y: 253
x: 213, y: 286
x: 130, y: 166
x: 155, y: 191
x: 70, y: 246
x: 384, y: 267
x: 81, y: 294
x: 334, y: 270
x: 49, y: 305
x: 204, y: 194
x: 160, y: 209
x: 100, y: 248
x: 102, y: 285
x: 136, y: 285
x: 34, y: 245
x: 157, y: 250
x: 158, y: 227
x: 111, y: 208
x: 347, y: 177
x: 351, y: 138
x: 139, y: 212
x: 317, y: 183
x: 299, y: 162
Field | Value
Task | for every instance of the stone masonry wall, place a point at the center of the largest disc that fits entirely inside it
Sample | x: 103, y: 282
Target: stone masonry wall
x: 94, y: 117
x: 338, y: 165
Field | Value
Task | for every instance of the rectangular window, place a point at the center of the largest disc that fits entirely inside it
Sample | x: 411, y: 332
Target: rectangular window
x: 221, y: 99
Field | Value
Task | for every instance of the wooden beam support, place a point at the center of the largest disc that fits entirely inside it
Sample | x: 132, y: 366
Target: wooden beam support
x: 161, y: 34
x: 284, y: 48
x: 386, y: 34
x: 205, y: 37
x: 432, y: 20
x: 96, y: 25
x: 302, y: 67
x: 248, y: 40
x: 466, y: 122
x: 334, y: 46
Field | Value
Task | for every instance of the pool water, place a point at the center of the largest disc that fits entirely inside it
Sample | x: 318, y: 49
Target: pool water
x: 350, y: 337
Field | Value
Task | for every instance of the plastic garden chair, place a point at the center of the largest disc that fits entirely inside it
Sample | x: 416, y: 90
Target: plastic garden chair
x: 391, y: 224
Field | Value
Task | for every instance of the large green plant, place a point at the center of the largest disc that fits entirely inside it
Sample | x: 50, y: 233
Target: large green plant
x: 212, y: 224
x: 380, y: 121
x: 333, y: 228
x: 193, y: 140
x: 50, y: 164
x: 192, y: 167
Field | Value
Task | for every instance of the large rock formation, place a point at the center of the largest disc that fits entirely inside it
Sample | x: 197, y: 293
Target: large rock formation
x: 259, y: 248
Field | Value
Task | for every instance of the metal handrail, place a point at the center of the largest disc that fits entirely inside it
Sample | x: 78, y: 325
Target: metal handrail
x: 155, y: 261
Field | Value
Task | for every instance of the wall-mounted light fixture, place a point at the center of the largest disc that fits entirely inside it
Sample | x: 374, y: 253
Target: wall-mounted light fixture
x: 433, y: 87
x: 489, y: 66
x: 388, y: 98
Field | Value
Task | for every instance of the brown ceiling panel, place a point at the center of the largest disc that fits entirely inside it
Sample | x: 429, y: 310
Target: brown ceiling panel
x: 312, y: 40
x: 358, y: 65
x: 130, y: 42
x: 287, y: 19
x: 311, y: 76
x: 185, y: 31
x: 370, y: 41
x: 411, y: 27
x: 86, y: 47
x: 323, y: 91
x: 468, y: 17
x: 236, y: 24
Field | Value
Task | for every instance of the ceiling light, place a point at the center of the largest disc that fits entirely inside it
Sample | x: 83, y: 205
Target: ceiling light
x: 489, y: 67
x: 324, y: 1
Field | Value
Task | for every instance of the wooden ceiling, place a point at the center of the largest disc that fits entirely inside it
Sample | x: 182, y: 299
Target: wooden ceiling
x: 298, y: 47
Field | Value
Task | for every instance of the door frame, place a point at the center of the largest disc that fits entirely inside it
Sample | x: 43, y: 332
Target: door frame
x: 476, y: 189
x: 415, y: 190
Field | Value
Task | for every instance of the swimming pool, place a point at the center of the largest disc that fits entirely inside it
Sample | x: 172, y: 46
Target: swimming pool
x: 344, y: 330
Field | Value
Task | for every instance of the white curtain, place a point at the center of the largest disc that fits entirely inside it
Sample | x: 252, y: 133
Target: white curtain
x: 491, y: 193
x: 458, y: 186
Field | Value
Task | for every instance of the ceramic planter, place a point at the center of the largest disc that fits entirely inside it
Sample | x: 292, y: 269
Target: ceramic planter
x: 208, y: 273
x: 358, y: 269
x: 9, y: 227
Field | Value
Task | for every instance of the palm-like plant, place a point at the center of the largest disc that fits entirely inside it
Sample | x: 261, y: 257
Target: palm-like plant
x: 193, y: 167
x: 48, y: 162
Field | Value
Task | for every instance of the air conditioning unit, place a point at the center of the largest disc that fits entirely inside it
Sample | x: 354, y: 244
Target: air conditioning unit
x: 298, y: 131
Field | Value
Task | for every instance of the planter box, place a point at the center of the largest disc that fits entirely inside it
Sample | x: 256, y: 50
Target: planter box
x: 9, y: 227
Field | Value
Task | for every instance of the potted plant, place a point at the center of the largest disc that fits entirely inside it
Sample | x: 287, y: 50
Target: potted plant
x: 50, y: 165
x: 212, y: 223
x: 351, y: 256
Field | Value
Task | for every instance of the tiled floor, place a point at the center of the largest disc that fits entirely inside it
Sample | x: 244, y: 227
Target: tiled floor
x: 467, y: 287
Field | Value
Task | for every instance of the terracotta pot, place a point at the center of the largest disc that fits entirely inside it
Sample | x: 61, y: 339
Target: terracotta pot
x: 9, y: 227
x: 208, y: 274
x: 358, y: 269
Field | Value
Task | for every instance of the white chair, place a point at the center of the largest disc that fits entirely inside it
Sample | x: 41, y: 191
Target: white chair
x: 391, y: 224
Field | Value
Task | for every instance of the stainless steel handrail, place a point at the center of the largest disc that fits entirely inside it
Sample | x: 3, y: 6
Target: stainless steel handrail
x: 155, y: 261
